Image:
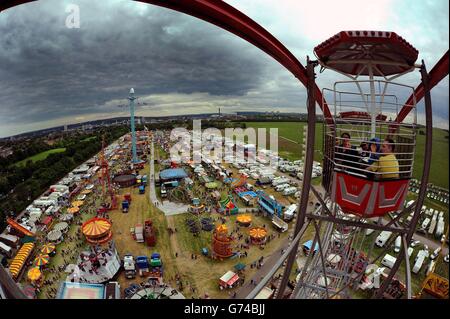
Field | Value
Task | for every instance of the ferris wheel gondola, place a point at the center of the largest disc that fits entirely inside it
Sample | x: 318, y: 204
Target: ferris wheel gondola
x: 362, y: 192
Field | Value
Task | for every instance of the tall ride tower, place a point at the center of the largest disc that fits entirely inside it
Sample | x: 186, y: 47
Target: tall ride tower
x: 133, y: 131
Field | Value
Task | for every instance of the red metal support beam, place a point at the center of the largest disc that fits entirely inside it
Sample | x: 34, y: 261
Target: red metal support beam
x: 227, y: 17
x: 437, y: 73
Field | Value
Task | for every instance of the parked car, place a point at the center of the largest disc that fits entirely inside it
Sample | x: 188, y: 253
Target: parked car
x: 435, y: 253
x: 398, y: 244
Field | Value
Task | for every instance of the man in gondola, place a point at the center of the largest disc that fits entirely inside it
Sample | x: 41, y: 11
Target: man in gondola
x: 387, y: 165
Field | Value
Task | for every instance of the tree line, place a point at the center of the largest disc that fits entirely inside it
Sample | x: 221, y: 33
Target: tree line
x: 19, y: 186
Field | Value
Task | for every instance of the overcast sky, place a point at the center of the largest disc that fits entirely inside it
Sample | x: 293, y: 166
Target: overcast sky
x: 51, y: 75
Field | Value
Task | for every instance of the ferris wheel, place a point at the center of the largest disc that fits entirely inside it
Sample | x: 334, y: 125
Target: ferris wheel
x: 368, y: 162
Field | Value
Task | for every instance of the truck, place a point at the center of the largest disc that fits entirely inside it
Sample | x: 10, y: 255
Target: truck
x: 143, y: 265
x: 139, y: 233
x: 125, y: 206
x: 156, y: 267
x: 279, y: 224
x: 433, y: 223
x: 163, y: 191
x: 382, y: 238
x: 420, y: 258
x: 440, y: 227
x: 149, y: 233
x: 142, y: 189
x: 289, y: 191
x: 290, y: 212
x: 129, y: 266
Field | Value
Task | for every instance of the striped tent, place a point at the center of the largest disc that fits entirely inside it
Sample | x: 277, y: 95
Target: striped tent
x: 20, y: 259
x: 48, y: 248
x: 41, y: 260
x: 96, y: 227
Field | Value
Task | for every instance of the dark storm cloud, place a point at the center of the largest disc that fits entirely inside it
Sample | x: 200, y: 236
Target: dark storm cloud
x: 49, y: 71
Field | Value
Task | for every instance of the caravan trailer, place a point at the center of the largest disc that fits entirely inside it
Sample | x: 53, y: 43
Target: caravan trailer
x: 290, y: 212
x: 10, y: 240
x: 6, y: 250
x: 388, y: 261
x: 419, y: 261
x: 432, y: 227
x: 282, y: 187
x: 289, y: 191
x: 382, y: 238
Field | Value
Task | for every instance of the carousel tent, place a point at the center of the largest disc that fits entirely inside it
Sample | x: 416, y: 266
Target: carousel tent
x: 54, y: 236
x: 244, y: 219
x: 97, y: 230
x: 258, y: 233
x: 62, y: 227
x: 96, y: 227
x: 34, y: 274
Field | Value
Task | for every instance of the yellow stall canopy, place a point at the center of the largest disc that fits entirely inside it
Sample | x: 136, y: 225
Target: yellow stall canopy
x: 19, y: 260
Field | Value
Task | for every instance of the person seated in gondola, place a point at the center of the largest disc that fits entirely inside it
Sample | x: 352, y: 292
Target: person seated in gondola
x: 346, y: 154
x: 371, y: 155
x: 387, y: 164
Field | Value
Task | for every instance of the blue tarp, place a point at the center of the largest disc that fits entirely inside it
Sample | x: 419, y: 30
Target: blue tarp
x: 266, y: 207
x: 308, y: 245
x: 251, y: 193
x: 172, y: 173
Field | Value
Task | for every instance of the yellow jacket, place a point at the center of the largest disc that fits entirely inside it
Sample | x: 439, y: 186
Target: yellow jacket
x: 387, y: 164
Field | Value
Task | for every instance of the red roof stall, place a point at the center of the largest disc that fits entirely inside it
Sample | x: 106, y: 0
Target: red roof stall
x: 229, y: 279
x: 47, y: 220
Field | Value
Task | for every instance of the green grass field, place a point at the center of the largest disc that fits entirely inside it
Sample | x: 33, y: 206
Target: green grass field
x: 40, y: 156
x: 293, y: 131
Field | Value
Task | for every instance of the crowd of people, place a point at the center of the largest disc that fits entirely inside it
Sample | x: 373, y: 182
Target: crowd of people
x: 373, y: 159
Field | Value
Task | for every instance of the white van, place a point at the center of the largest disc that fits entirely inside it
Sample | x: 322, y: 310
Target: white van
x: 382, y: 238
x: 398, y: 244
x: 388, y: 261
